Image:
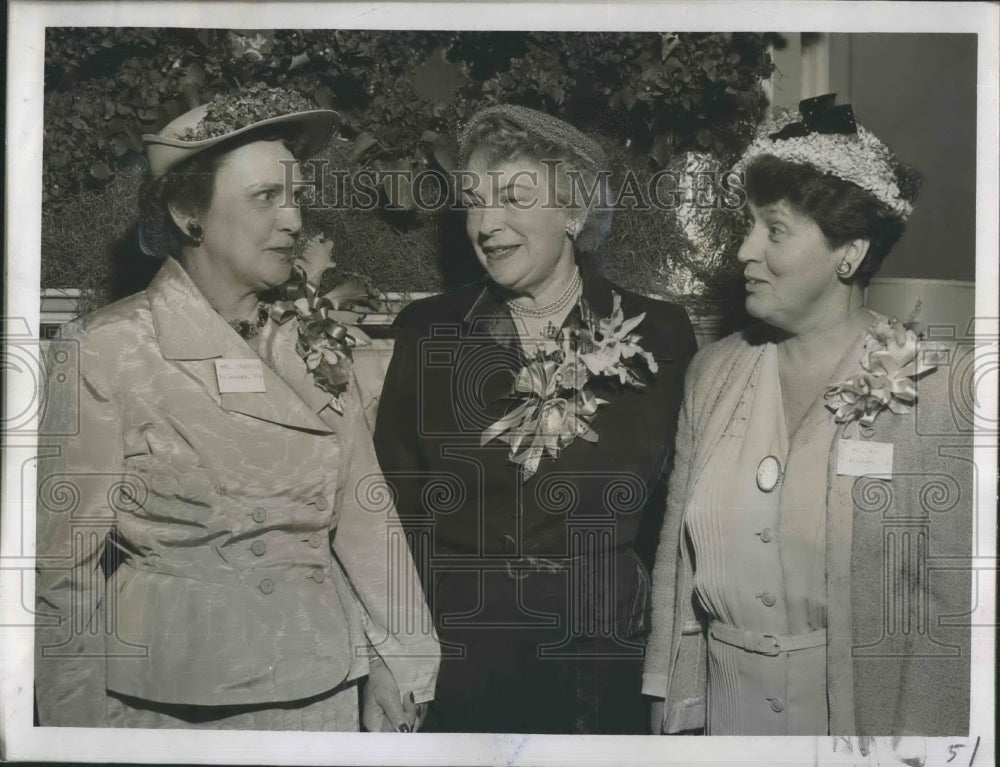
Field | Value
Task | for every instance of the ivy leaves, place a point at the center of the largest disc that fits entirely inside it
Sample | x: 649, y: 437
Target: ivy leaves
x: 659, y: 93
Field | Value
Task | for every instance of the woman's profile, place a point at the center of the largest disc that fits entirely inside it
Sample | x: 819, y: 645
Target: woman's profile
x: 205, y: 560
x: 817, y: 474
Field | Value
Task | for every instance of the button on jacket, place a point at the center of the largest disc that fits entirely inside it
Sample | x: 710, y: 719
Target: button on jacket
x: 489, y: 544
x: 896, y: 566
x: 451, y: 376
x: 211, y: 513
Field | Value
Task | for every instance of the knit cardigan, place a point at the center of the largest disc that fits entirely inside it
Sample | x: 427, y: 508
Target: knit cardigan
x: 898, y: 561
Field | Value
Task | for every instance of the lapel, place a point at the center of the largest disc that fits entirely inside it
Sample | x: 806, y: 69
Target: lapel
x: 277, y: 350
x: 488, y: 323
x: 189, y: 329
x: 597, y: 293
x: 488, y: 317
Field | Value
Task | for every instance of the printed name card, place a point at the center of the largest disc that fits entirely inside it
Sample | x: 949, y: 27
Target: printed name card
x: 858, y: 458
x: 237, y: 376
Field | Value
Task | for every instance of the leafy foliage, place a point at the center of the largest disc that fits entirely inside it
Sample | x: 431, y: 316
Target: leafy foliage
x: 401, y: 94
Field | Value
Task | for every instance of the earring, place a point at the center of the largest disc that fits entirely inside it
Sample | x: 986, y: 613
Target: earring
x: 843, y: 268
x: 195, y: 232
x: 571, y: 228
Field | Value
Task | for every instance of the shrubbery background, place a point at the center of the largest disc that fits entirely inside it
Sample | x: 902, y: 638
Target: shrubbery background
x: 648, y: 97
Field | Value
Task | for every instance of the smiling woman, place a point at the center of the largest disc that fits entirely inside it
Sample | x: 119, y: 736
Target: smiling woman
x: 780, y: 588
x: 531, y: 510
x: 237, y: 579
x: 520, y: 241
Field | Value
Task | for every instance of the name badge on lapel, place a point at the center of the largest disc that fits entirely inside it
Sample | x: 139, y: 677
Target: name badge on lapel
x: 239, y: 376
x: 858, y: 458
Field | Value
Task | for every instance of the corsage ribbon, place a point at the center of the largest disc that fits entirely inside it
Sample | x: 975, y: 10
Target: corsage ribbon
x: 557, y: 406
x: 887, y: 379
x: 327, y: 333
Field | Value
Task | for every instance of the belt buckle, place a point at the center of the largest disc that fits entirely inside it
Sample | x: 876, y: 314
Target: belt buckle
x: 773, y: 651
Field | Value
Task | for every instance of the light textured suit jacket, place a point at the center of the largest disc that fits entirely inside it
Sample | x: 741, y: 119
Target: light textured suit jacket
x: 898, y: 562
x: 213, y: 515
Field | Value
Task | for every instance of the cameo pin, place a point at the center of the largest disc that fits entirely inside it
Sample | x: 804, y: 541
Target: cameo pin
x: 768, y: 473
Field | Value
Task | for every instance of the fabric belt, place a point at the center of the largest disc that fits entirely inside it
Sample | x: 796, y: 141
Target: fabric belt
x: 766, y: 644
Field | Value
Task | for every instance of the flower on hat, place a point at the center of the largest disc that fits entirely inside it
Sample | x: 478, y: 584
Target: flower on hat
x: 251, y: 104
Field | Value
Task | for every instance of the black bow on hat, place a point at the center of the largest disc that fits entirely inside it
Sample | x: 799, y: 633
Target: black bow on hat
x: 819, y: 115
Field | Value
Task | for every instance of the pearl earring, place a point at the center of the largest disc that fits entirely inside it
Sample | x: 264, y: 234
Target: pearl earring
x: 571, y: 228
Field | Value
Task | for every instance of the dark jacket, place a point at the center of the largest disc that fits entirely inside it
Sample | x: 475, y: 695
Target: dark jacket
x: 451, y: 376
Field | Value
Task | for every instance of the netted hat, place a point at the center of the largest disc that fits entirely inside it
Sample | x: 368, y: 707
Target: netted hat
x: 828, y: 138
x: 234, y: 113
x: 580, y: 151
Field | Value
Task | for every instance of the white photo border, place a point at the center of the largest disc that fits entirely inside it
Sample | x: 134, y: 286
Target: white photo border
x: 27, y: 20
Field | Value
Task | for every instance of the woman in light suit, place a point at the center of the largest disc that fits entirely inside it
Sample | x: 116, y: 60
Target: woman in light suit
x: 205, y: 557
x: 822, y: 479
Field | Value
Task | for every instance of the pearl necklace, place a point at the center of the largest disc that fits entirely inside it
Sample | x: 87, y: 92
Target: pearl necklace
x: 569, y: 295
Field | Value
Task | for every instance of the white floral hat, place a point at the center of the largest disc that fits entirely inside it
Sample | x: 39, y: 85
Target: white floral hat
x: 828, y: 138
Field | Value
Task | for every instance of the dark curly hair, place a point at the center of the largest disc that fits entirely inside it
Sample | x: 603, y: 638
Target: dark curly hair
x: 191, y: 185
x: 842, y: 210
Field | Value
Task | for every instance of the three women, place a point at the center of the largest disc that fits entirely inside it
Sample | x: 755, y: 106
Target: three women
x: 526, y: 427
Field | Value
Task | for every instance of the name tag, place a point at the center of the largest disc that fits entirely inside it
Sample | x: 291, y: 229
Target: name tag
x: 857, y: 458
x: 240, y: 376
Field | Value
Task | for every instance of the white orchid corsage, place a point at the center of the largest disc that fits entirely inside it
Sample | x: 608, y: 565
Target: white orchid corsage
x: 327, y: 323
x: 556, y: 405
x: 887, y: 379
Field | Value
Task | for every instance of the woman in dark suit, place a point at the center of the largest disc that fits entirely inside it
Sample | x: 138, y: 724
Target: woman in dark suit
x: 527, y: 444
x: 204, y: 556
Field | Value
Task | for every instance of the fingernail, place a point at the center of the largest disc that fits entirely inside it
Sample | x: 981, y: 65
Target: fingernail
x: 404, y: 728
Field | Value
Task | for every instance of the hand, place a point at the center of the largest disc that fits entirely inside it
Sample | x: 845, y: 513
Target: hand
x: 384, y: 709
x: 656, y: 716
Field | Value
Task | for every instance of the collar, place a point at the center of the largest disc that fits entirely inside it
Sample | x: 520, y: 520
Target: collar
x: 188, y: 328
x: 489, y: 316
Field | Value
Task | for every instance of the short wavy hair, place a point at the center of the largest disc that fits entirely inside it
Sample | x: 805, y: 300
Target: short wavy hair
x: 504, y: 133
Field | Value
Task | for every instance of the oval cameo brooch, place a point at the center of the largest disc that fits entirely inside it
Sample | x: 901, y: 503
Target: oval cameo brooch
x: 768, y: 473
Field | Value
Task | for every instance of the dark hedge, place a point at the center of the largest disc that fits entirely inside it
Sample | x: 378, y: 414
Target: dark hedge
x: 648, y: 97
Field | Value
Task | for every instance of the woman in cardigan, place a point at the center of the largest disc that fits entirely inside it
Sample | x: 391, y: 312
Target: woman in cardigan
x: 204, y: 558
x: 807, y: 462
x: 527, y: 481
